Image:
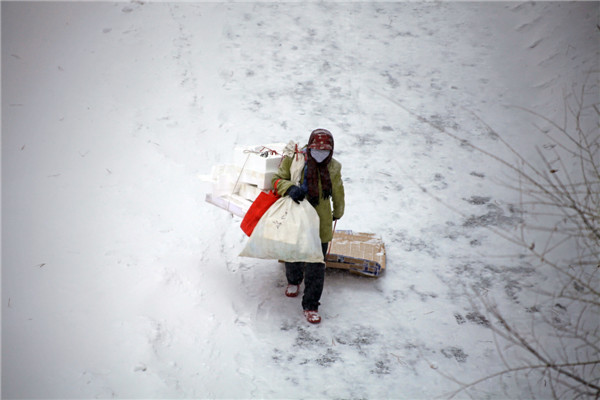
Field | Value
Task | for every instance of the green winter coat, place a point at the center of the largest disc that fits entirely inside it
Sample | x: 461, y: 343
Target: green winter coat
x: 324, y: 207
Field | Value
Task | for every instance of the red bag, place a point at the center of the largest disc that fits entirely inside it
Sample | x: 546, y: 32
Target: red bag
x: 257, y: 210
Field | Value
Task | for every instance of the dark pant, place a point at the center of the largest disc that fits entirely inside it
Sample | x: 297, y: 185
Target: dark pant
x: 313, y: 275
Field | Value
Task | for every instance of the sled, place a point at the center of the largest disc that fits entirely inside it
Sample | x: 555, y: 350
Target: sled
x: 359, y: 252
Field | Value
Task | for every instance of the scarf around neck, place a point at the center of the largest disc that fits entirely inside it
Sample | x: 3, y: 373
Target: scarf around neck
x: 315, y: 171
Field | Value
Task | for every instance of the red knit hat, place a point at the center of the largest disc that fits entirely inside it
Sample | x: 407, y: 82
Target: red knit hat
x: 320, y: 139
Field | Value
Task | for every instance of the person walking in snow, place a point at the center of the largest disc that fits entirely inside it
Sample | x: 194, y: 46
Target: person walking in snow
x: 321, y: 184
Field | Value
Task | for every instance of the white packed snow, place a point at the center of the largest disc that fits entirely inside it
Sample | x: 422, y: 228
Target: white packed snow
x: 119, y: 280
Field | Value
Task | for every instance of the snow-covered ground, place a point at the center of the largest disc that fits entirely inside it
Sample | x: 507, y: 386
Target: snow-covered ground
x: 119, y: 280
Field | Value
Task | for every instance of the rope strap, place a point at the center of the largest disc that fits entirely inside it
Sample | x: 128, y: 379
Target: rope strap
x: 263, y: 152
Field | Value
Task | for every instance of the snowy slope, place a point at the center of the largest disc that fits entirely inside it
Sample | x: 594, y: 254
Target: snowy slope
x: 118, y: 280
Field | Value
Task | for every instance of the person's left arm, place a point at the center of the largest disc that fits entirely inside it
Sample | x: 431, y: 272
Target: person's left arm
x: 337, y: 190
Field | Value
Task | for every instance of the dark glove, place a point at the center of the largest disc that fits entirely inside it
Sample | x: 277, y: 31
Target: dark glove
x: 335, y: 218
x: 296, y: 193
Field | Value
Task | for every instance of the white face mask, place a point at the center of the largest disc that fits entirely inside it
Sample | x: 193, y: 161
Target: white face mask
x: 319, y: 155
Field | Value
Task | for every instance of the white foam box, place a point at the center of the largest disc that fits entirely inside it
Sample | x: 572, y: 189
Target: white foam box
x: 259, y: 158
x: 224, y: 178
x: 227, y: 179
x: 262, y: 180
x: 248, y: 191
x: 232, y: 203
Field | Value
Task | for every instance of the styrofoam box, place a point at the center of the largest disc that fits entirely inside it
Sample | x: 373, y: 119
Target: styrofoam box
x: 261, y: 179
x: 250, y: 158
x: 224, y: 178
x: 232, y: 203
x: 249, y: 191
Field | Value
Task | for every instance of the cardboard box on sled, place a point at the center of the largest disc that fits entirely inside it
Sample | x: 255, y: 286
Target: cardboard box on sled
x: 358, y: 252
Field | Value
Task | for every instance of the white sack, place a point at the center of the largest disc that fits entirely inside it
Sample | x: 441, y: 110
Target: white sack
x: 288, y: 232
x: 297, y: 167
